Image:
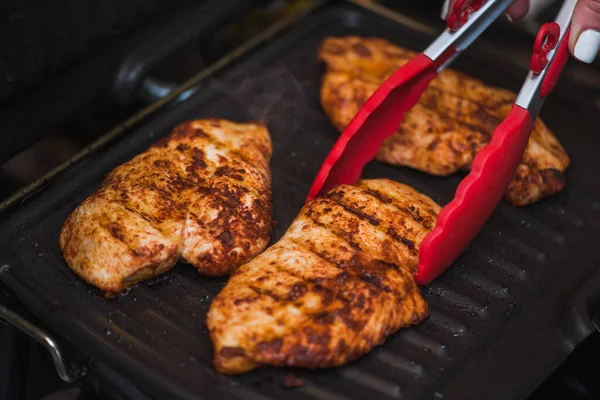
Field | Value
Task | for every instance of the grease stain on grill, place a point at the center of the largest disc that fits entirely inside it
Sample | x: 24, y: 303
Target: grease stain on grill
x: 420, y: 340
x: 504, y: 271
x: 518, y: 246
x: 180, y: 329
x: 458, y: 300
x: 514, y: 219
x: 444, y: 322
x: 565, y: 215
x: 196, y: 300
x: 156, y: 283
x: 291, y: 380
x: 475, y: 280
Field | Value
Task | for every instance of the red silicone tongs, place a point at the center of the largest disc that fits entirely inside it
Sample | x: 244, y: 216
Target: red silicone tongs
x: 493, y: 167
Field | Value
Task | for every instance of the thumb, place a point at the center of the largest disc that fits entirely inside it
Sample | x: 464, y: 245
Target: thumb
x: 584, y: 41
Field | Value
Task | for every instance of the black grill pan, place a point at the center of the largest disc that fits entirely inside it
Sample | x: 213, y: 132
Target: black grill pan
x: 502, y: 318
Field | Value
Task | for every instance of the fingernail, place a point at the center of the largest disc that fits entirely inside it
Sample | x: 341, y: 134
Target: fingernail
x: 587, y: 45
x: 508, y: 17
x: 444, y: 13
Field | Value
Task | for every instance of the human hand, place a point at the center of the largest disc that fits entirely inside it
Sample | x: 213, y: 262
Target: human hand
x: 584, y: 41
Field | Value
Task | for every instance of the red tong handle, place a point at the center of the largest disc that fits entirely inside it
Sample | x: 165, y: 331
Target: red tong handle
x: 545, y: 41
x: 461, y: 12
x: 555, y: 69
x: 476, y: 197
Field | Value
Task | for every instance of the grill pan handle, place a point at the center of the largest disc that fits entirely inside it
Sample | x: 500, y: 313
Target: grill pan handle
x: 187, y: 25
x: 65, y: 373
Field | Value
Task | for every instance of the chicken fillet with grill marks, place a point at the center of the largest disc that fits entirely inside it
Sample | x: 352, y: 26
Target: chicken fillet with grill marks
x: 201, y: 195
x: 337, y: 284
x: 454, y: 118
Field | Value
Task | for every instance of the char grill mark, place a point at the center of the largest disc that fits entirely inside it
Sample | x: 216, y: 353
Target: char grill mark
x: 352, y: 269
x: 247, y: 165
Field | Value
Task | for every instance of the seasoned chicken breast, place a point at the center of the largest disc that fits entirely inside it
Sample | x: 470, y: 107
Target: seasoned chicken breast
x: 337, y: 284
x: 452, y: 121
x: 201, y: 195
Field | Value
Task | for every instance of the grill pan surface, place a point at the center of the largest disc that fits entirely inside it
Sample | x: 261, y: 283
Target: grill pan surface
x: 502, y: 318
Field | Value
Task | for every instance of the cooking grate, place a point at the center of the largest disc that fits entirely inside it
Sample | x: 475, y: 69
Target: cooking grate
x: 502, y: 318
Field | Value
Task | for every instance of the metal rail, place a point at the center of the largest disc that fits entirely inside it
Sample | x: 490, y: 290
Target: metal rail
x: 64, y: 372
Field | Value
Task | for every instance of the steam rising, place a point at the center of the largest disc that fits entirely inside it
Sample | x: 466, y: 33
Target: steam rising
x: 274, y: 97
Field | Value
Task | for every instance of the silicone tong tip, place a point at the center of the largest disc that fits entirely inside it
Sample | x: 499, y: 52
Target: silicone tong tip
x: 379, y: 118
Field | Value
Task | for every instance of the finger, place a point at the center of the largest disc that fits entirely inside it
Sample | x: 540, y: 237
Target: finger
x: 516, y: 11
x: 584, y: 41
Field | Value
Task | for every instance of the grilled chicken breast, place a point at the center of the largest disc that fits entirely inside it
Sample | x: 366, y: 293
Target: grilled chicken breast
x: 201, y: 195
x: 337, y: 284
x: 452, y: 121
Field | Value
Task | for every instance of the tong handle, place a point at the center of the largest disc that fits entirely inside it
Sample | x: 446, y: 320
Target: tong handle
x: 550, y: 54
x: 555, y: 69
x: 472, y: 22
x: 461, y: 12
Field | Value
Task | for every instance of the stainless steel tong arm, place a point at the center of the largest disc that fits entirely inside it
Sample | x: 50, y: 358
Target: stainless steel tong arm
x: 477, y: 22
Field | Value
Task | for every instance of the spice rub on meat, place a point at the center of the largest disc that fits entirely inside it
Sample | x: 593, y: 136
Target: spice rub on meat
x: 201, y: 195
x: 337, y: 284
x: 454, y: 118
